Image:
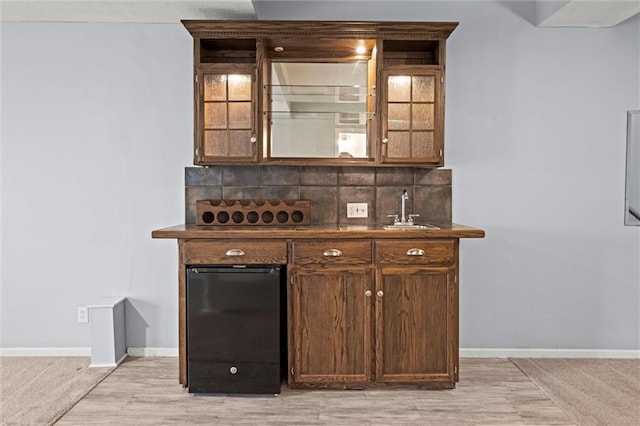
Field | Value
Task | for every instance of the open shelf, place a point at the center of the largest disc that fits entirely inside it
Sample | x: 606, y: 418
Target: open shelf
x: 230, y: 51
x: 410, y: 52
x: 319, y: 95
x: 341, y: 117
x: 350, y: 104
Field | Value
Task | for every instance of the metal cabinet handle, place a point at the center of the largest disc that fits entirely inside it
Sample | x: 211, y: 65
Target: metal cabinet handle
x: 332, y: 253
x: 385, y: 140
x: 253, y: 139
x: 233, y: 370
x: 415, y: 252
x: 380, y: 293
x: 368, y: 293
x: 235, y: 252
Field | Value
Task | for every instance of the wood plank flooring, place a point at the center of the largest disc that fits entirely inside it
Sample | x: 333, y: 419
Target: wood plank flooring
x: 146, y: 391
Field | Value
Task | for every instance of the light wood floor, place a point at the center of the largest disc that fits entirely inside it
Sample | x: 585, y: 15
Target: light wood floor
x: 491, y: 391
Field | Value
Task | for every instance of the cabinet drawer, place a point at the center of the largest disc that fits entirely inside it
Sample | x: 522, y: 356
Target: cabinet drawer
x: 418, y: 252
x: 332, y: 253
x: 234, y: 252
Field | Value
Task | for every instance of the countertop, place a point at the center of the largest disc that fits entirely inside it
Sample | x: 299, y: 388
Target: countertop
x: 190, y: 231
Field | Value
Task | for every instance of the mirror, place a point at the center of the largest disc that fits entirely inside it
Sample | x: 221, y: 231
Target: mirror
x: 632, y: 184
x: 319, y: 110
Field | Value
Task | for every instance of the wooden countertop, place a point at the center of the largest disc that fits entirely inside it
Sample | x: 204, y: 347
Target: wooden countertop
x: 190, y: 231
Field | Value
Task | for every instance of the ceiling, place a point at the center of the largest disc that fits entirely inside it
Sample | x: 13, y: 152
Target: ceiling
x: 585, y: 13
x: 151, y: 11
x: 551, y: 13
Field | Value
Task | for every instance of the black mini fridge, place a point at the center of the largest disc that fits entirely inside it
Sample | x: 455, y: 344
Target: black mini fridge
x: 233, y: 329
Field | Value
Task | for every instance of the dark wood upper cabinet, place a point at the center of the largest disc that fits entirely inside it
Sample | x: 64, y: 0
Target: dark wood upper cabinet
x: 319, y: 92
x: 411, y: 116
x: 225, y: 113
x: 225, y: 101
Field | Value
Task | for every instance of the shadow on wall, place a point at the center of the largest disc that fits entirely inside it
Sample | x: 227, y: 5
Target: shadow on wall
x: 135, y: 325
x: 524, y: 9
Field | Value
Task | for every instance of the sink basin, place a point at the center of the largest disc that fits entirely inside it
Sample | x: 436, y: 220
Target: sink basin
x: 402, y: 227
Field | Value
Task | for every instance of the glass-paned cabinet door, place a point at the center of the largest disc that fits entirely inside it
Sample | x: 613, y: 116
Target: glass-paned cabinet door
x: 411, y: 124
x: 225, y: 119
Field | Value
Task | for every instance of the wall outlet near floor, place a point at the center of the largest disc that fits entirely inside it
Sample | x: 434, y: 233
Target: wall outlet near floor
x: 357, y: 210
x: 83, y: 314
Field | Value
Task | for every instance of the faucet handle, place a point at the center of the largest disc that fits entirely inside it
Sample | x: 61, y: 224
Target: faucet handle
x: 395, y: 218
x: 411, y: 216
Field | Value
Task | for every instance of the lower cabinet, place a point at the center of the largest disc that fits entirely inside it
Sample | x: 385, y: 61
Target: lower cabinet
x: 415, y: 326
x: 358, y: 309
x: 332, y: 328
x: 374, y: 313
x: 331, y: 319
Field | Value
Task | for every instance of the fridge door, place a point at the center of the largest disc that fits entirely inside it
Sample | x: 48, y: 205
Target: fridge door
x: 233, y: 329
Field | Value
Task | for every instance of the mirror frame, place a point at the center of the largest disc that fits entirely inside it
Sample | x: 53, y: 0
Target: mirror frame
x: 632, y: 172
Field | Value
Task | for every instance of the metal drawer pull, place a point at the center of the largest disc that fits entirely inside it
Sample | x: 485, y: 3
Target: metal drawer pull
x: 233, y: 370
x: 332, y: 253
x: 380, y: 293
x: 368, y: 293
x: 235, y: 252
x: 415, y: 252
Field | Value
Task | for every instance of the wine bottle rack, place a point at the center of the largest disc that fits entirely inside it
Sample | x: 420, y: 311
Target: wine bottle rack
x: 252, y: 212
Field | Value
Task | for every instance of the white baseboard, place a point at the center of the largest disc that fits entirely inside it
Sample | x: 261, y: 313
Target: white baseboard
x: 45, y: 352
x: 131, y: 351
x: 464, y: 352
x: 168, y: 352
x: 548, y: 353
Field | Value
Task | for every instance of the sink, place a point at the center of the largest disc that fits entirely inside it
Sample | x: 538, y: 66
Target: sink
x: 403, y: 227
x: 404, y: 222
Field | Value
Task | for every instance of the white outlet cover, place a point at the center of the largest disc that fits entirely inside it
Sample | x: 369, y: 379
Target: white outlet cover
x: 357, y: 210
x: 83, y: 314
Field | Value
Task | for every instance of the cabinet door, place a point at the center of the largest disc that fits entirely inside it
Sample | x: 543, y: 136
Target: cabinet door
x: 225, y: 114
x: 331, y: 328
x: 415, y: 323
x: 412, y: 116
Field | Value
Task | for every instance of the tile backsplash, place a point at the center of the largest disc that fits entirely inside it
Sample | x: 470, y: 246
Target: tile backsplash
x: 329, y: 189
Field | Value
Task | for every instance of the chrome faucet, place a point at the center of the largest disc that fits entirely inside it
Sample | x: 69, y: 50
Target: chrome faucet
x: 405, y: 197
x: 404, y: 219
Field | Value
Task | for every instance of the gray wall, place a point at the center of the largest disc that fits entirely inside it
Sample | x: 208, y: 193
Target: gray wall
x: 97, y: 130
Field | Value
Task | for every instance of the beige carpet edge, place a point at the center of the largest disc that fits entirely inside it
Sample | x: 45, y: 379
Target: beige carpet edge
x: 544, y: 391
x: 40, y: 390
x: 81, y: 397
x: 589, y: 390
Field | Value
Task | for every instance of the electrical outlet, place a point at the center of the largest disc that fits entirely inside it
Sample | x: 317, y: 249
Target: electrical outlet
x: 83, y: 314
x: 357, y: 210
